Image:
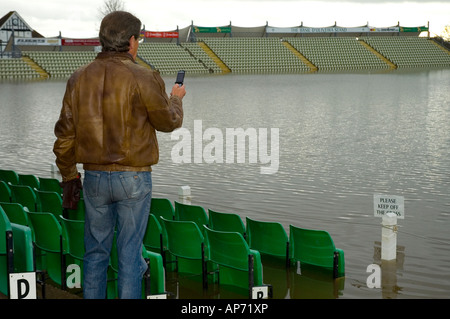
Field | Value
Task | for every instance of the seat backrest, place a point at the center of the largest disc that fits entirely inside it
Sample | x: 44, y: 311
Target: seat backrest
x: 47, y: 231
x: 23, y: 248
x: 153, y: 233
x: 226, y: 222
x: 5, y: 226
x: 49, y: 184
x: 50, y: 202
x: 73, y: 234
x: 24, y: 195
x: 184, y: 238
x: 197, y: 214
x: 16, y: 213
x: 157, y: 279
x: 267, y: 237
x: 6, y: 243
x: 162, y: 207
x: 315, y: 247
x: 29, y: 180
x: 9, y: 176
x: 5, y: 192
x: 227, y: 248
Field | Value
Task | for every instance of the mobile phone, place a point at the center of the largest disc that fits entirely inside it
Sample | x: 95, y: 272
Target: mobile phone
x: 180, y: 77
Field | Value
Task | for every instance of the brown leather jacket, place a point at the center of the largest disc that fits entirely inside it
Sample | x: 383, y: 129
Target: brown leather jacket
x: 111, y: 110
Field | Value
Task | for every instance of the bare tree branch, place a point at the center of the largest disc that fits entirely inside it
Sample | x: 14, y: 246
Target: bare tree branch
x: 111, y: 6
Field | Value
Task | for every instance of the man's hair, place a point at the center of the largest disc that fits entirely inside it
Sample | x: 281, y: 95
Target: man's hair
x: 116, y: 30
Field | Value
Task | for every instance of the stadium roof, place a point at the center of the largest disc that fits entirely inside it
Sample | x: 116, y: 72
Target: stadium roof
x: 13, y: 21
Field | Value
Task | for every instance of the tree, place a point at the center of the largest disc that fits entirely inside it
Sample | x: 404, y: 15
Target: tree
x: 111, y: 6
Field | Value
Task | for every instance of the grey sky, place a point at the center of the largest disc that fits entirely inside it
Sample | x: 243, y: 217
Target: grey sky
x: 79, y: 19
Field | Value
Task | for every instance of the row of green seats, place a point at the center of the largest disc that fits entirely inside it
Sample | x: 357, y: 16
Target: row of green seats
x: 52, y: 245
x: 202, y: 240
x: 37, y: 194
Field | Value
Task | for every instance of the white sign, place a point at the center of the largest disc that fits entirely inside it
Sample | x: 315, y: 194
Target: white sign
x: 37, y: 41
x: 22, y: 285
x: 158, y: 296
x: 330, y: 30
x: 260, y: 292
x: 383, y: 204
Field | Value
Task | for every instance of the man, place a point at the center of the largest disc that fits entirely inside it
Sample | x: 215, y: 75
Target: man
x: 111, y: 110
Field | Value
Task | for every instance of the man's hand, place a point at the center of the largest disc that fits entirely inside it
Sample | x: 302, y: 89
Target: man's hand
x: 179, y: 91
x: 71, y: 192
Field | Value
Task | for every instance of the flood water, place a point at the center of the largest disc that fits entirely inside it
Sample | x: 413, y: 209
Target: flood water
x: 342, y: 139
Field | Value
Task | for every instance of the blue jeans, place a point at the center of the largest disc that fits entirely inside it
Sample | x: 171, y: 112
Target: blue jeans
x: 117, y: 203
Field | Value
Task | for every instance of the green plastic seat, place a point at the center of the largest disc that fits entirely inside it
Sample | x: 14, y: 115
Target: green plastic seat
x: 186, y: 242
x: 29, y: 180
x: 50, y: 185
x: 197, y: 214
x: 239, y: 265
x: 26, y: 196
x: 73, y: 238
x: 73, y: 235
x: 49, y: 202
x: 155, y: 283
x: 9, y: 176
x: 162, y: 207
x: 19, y: 215
x: 48, y: 238
x: 23, y: 248
x: 153, y: 238
x: 226, y: 222
x: 6, y: 244
x: 16, y: 250
x: 316, y: 247
x: 16, y: 213
x: 5, y: 192
x: 268, y: 238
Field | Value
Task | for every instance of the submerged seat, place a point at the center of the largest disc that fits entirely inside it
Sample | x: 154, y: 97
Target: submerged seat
x: 50, y: 202
x: 16, y: 250
x: 226, y: 222
x: 23, y: 248
x: 19, y: 215
x: 155, y: 281
x: 73, y: 235
x: 153, y: 238
x: 49, y: 238
x: 316, y: 247
x: 195, y: 213
x: 268, y: 238
x: 26, y: 196
x: 5, y: 192
x: 16, y: 213
x: 6, y: 256
x: 162, y: 207
x: 50, y: 185
x: 9, y: 176
x: 240, y: 265
x: 29, y: 180
x: 186, y: 241
x: 73, y: 243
